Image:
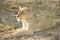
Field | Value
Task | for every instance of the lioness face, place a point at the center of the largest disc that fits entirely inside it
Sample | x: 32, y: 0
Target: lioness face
x: 21, y: 13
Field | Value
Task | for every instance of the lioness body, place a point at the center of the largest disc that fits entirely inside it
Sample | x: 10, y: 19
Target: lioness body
x: 31, y: 21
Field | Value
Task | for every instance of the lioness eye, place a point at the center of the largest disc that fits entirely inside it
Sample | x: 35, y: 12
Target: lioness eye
x: 17, y: 16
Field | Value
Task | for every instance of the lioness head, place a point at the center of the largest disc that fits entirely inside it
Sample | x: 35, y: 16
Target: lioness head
x: 22, y: 12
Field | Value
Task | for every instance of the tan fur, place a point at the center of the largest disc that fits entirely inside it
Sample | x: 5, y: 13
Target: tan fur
x: 31, y: 21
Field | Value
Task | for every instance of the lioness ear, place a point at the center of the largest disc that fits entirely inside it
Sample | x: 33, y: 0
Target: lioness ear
x: 20, y: 8
x: 29, y: 9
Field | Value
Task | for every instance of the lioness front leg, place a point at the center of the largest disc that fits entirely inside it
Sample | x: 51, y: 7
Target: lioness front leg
x: 24, y: 28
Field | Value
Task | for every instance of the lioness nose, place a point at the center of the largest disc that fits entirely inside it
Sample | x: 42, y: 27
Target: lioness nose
x: 16, y: 15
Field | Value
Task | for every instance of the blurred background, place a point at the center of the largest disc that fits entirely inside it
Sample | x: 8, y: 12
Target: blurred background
x: 8, y: 8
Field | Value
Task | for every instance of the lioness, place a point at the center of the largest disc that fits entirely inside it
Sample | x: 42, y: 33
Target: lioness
x: 32, y: 21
